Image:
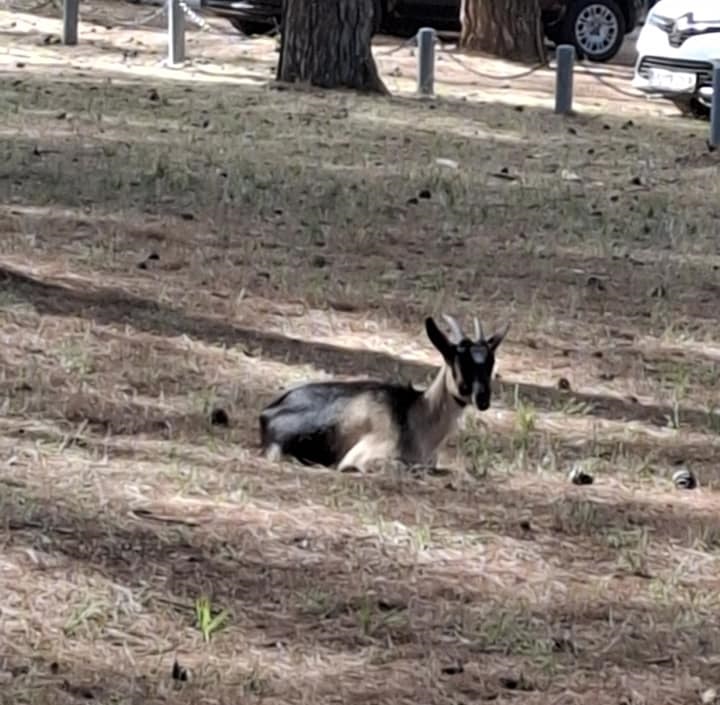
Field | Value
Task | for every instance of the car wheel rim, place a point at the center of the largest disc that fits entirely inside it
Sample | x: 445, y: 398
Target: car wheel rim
x: 596, y: 29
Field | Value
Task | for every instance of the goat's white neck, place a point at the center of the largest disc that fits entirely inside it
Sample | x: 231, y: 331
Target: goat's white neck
x: 438, y: 412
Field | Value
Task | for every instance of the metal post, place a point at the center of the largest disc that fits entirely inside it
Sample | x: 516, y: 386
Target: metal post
x: 426, y: 61
x: 715, y: 107
x: 70, y: 22
x: 176, y: 33
x: 565, y: 55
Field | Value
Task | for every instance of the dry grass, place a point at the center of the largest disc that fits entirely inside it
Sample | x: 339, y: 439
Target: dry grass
x: 174, y: 247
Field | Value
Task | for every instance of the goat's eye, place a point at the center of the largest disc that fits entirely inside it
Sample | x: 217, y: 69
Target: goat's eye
x: 464, y: 389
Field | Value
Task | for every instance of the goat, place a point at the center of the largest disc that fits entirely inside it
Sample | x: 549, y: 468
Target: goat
x: 351, y: 424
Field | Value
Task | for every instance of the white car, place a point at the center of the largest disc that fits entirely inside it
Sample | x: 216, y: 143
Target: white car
x: 677, y: 47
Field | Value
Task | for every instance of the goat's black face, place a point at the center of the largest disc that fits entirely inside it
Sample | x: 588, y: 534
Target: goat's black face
x: 472, y: 370
x: 470, y: 361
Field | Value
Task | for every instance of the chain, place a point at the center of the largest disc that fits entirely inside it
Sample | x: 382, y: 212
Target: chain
x: 493, y: 77
x: 203, y: 24
x: 114, y: 20
x: 407, y: 43
x: 193, y: 16
x: 141, y: 21
x: 512, y: 77
x: 613, y: 87
x: 411, y: 42
x: 34, y: 8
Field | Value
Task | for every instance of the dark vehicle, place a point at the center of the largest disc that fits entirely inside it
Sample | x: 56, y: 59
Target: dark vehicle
x: 596, y: 28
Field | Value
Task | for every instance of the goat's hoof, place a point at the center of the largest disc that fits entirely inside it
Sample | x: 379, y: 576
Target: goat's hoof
x: 397, y: 466
x: 273, y: 453
x: 429, y: 470
x: 350, y: 469
x: 684, y: 480
x: 219, y: 417
x: 417, y: 470
x: 439, y: 472
x: 579, y: 477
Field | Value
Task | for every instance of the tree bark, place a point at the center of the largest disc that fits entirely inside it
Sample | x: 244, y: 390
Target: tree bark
x: 327, y: 43
x: 511, y: 29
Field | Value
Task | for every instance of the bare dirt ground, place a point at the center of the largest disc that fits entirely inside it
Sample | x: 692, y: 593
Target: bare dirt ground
x: 178, y: 241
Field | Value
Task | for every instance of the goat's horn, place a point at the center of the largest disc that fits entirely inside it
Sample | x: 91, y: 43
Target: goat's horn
x: 479, y: 335
x: 454, y: 328
x: 504, y: 331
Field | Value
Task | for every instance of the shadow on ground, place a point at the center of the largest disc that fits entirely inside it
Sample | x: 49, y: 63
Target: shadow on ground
x: 113, y: 306
x: 288, y: 587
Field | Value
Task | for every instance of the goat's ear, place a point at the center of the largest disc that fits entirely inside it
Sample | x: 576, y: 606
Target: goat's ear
x: 439, y: 339
x: 495, y: 340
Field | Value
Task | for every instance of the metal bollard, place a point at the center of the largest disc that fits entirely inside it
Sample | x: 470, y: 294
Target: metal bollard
x: 715, y: 107
x: 70, y: 22
x: 176, y: 33
x: 426, y: 61
x: 565, y: 55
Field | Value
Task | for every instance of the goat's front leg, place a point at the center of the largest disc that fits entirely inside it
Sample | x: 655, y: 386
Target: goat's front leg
x: 365, y: 452
x: 273, y: 452
x: 428, y: 467
x: 422, y: 465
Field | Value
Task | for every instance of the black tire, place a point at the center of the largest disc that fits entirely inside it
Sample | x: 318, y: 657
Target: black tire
x: 577, y: 13
x: 554, y: 33
x: 379, y: 18
x: 691, y: 107
x: 248, y: 27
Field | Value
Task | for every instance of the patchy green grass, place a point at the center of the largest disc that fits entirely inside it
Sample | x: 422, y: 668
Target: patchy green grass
x: 175, y: 248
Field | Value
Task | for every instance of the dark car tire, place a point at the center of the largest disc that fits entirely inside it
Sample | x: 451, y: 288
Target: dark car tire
x: 554, y: 32
x: 248, y: 27
x: 575, y: 12
x: 691, y: 108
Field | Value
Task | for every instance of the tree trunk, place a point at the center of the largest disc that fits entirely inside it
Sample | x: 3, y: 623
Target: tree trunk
x: 511, y: 29
x: 327, y: 43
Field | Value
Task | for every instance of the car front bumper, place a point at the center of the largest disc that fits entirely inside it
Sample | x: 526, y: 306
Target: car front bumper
x: 678, y: 72
x: 674, y: 78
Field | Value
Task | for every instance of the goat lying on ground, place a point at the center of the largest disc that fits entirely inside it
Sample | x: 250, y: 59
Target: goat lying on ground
x: 354, y: 423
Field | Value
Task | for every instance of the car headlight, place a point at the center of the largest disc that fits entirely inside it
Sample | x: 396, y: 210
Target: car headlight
x: 664, y: 23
